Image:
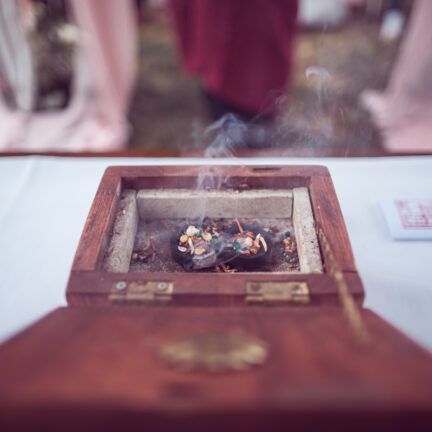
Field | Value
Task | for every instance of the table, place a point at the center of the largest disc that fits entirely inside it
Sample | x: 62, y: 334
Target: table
x: 44, y: 202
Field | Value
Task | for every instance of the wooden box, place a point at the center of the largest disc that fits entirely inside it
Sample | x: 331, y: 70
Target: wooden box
x: 147, y: 344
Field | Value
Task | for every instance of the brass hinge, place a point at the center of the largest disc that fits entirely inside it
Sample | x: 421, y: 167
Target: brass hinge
x: 141, y: 292
x: 277, y: 293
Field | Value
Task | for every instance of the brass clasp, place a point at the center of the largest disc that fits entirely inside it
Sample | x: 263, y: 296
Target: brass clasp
x: 215, y: 352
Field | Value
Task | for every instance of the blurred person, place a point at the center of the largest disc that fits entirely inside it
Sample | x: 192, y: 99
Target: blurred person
x: 241, y: 51
x: 403, y: 111
x: 87, y: 114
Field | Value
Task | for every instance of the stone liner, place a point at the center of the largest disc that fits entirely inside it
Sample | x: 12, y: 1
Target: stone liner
x: 183, y: 204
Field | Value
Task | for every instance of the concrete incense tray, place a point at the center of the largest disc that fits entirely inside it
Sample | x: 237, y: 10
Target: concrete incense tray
x: 133, y: 241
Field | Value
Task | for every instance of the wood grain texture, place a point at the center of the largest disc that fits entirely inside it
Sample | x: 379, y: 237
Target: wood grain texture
x: 206, y: 289
x: 92, y: 364
x: 94, y: 238
x: 329, y: 217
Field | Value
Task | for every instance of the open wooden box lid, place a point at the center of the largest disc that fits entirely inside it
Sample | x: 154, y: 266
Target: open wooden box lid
x: 194, y: 367
x: 250, y: 351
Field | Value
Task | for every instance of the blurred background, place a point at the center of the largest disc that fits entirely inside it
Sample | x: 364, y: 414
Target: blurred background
x: 216, y: 78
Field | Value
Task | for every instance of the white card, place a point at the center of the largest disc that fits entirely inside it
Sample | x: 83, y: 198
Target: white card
x: 408, y: 218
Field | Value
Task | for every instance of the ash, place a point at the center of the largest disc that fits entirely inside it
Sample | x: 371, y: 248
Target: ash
x: 152, y: 253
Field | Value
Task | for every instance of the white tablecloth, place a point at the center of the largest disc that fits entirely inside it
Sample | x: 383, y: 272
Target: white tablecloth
x: 44, y: 203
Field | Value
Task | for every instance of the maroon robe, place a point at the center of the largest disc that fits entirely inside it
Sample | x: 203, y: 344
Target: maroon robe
x: 240, y: 49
